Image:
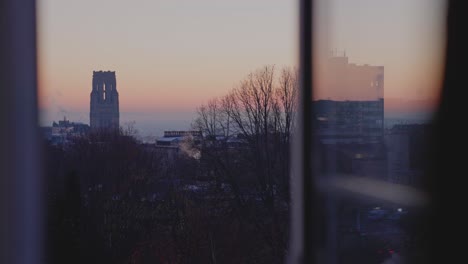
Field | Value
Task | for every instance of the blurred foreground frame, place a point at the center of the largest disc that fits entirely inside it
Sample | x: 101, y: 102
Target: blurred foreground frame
x: 21, y: 211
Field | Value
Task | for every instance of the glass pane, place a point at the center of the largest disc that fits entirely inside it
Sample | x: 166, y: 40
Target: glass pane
x: 167, y: 127
x: 377, y: 77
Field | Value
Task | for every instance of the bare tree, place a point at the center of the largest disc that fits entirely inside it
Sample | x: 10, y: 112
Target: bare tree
x: 286, y: 93
x: 260, y: 112
x: 209, y: 117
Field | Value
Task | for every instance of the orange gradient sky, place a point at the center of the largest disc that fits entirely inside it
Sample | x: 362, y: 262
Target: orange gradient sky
x: 173, y: 55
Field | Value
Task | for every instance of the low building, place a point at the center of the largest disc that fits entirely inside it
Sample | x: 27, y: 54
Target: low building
x: 63, y: 131
x: 174, y: 143
x: 406, y: 152
x: 231, y: 142
x: 174, y: 138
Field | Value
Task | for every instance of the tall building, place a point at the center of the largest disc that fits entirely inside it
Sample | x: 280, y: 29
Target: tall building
x: 350, y: 105
x: 349, y: 117
x: 104, y: 106
x: 350, y: 121
x: 340, y: 80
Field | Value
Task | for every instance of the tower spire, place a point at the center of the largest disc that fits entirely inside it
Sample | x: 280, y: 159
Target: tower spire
x: 104, y: 101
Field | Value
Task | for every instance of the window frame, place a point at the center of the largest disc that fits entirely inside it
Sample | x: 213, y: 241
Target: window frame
x: 21, y: 213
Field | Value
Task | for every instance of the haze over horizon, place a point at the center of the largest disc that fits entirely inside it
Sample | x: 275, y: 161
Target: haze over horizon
x: 172, y: 56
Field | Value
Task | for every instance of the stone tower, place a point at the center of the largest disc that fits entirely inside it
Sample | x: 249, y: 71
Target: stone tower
x: 104, y: 106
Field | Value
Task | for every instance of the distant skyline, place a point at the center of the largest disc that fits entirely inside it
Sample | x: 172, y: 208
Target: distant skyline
x: 171, y: 56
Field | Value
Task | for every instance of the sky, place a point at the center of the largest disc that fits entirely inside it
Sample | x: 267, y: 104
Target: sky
x: 171, y: 56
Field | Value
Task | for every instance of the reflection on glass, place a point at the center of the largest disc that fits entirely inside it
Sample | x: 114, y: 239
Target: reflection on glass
x: 376, y: 79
